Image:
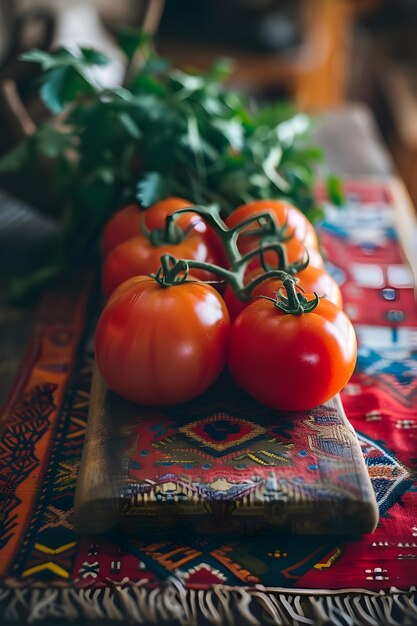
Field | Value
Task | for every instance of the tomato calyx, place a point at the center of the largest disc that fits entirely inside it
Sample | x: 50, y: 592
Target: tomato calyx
x: 171, y: 233
x: 294, y: 303
x: 176, y: 272
x: 172, y: 271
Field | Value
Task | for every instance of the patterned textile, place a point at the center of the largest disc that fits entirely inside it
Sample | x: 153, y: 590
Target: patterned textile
x: 48, y: 570
x: 221, y: 463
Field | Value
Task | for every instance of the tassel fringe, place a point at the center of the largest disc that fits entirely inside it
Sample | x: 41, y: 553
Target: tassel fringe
x: 219, y: 606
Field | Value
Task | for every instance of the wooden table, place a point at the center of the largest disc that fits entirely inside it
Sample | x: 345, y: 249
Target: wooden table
x: 352, y: 143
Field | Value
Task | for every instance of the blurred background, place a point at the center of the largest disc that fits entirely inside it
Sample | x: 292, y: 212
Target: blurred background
x: 321, y: 54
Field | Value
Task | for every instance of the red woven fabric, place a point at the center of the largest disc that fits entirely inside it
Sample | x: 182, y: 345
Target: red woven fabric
x: 43, y: 428
x: 381, y: 398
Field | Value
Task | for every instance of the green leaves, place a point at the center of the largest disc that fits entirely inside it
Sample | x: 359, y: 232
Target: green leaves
x: 232, y: 131
x: 290, y: 130
x: 48, y: 141
x: 130, y: 125
x: 131, y: 39
x: 81, y: 58
x: 52, y: 142
x: 335, y: 190
x: 66, y: 74
x: 92, y: 57
x: 48, y: 60
x: 168, y: 132
x: 151, y: 188
x: 16, y: 159
x: 271, y: 168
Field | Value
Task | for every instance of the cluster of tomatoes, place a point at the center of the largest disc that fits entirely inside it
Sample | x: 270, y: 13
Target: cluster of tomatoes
x: 164, y: 335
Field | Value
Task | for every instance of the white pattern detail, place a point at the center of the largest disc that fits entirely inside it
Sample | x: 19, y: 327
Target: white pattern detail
x: 376, y: 574
x: 89, y: 569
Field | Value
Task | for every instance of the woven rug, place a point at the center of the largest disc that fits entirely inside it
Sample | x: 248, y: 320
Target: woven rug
x: 47, y: 570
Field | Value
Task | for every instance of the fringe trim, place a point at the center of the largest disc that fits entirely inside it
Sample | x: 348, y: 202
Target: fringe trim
x: 221, y: 605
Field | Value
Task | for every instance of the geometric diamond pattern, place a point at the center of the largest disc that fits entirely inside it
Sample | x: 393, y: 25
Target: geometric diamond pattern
x: 220, y: 434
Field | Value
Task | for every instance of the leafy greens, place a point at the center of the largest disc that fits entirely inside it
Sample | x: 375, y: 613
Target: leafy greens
x: 167, y: 132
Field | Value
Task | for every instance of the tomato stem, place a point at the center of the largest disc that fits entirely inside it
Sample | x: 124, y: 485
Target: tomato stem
x: 170, y: 233
x: 275, y: 236
x: 175, y: 272
x: 172, y: 272
x: 270, y: 233
x: 295, y: 303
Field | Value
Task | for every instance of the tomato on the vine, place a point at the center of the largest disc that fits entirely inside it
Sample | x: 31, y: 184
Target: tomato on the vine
x: 157, y: 213
x: 283, y: 213
x: 160, y: 345
x: 311, y: 279
x: 139, y: 256
x: 292, y: 362
x: 126, y: 224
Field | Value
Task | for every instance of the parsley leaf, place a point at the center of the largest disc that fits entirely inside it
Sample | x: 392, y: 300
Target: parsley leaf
x: 151, y: 188
x: 65, y: 75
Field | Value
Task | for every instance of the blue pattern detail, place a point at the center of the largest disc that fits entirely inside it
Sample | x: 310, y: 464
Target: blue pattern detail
x: 373, y: 363
x: 388, y: 488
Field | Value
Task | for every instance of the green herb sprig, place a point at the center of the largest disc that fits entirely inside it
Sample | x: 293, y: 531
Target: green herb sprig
x: 166, y: 132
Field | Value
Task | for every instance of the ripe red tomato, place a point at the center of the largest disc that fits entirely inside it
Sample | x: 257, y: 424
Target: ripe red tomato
x: 138, y: 256
x: 126, y: 224
x: 162, y: 345
x: 155, y: 218
x: 156, y: 214
x: 283, y: 212
x: 123, y: 225
x: 311, y: 279
x: 292, y: 362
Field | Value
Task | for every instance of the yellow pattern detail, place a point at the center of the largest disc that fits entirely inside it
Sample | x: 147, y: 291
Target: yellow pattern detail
x: 78, y: 433
x: 53, y: 567
x: 47, y: 550
x: 330, y: 561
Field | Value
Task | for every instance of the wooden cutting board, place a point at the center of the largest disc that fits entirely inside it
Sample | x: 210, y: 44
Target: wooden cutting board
x: 224, y: 462
x: 221, y: 463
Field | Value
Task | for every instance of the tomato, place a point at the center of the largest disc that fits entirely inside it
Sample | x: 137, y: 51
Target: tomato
x: 155, y: 218
x: 157, y: 213
x: 283, y: 212
x: 123, y: 225
x: 139, y: 256
x: 162, y: 345
x: 311, y: 279
x: 126, y: 223
x: 292, y: 362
